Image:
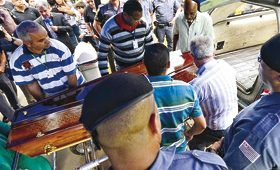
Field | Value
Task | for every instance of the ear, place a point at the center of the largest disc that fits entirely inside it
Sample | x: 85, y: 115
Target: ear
x: 154, y: 123
x: 27, y: 43
x: 168, y: 64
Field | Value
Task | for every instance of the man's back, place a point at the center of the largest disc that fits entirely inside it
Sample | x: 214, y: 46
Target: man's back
x: 176, y: 101
x: 216, y: 89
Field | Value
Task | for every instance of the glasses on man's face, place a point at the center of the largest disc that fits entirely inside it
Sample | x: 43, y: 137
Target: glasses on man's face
x: 135, y: 21
x: 259, y: 58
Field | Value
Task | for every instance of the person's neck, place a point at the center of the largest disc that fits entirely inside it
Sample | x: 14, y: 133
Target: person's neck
x: 35, y: 51
x: 141, y: 157
x: 116, y: 5
x: 125, y: 21
x: 20, y: 8
x: 203, y: 61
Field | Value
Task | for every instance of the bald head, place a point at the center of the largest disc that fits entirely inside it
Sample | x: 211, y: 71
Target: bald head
x: 190, y: 10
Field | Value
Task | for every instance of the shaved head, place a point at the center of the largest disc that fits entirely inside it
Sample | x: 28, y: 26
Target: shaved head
x: 190, y: 10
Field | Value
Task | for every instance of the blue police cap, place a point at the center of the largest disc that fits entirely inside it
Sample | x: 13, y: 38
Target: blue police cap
x: 270, y: 53
x: 112, y: 95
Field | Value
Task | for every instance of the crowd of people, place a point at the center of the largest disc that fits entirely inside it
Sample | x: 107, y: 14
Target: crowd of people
x: 143, y: 125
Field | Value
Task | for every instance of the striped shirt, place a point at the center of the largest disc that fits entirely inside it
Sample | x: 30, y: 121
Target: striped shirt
x: 49, y: 69
x: 176, y: 101
x: 121, y: 37
x: 216, y: 89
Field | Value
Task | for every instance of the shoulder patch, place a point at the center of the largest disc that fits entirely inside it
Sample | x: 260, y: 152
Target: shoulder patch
x: 248, y: 151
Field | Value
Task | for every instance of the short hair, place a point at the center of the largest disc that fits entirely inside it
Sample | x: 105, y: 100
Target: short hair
x: 156, y: 58
x: 132, y: 5
x: 27, y: 27
x: 202, y: 47
x: 128, y: 127
x: 80, y: 3
x: 118, y: 97
x: 42, y: 3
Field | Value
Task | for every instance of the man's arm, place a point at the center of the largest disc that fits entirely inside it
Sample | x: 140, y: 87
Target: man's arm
x: 72, y: 80
x: 35, y: 90
x: 3, y: 61
x: 175, y: 40
x: 198, y: 127
x: 97, y: 26
x: 91, y: 31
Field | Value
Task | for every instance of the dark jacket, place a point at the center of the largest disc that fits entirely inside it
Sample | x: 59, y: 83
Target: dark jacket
x: 63, y: 27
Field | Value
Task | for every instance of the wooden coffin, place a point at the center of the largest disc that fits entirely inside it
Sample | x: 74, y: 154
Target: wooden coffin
x: 53, y: 123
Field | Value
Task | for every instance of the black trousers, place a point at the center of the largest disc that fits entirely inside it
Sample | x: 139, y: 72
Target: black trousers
x: 206, y: 138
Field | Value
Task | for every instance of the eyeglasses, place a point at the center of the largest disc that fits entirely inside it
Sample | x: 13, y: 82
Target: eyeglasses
x: 259, y: 58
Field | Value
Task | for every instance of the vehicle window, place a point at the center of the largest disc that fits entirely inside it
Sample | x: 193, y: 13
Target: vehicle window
x: 247, y: 9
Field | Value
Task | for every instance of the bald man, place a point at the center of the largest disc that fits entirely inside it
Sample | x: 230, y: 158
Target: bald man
x: 126, y: 125
x: 189, y: 24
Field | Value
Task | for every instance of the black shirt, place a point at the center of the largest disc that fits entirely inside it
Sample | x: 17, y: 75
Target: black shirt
x: 29, y: 14
x: 8, y: 5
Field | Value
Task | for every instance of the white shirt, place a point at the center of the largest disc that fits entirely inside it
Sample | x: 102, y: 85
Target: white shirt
x: 202, y: 25
x: 216, y: 90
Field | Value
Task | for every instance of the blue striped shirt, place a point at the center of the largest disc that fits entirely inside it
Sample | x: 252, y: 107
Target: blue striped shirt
x: 116, y: 34
x: 216, y: 89
x: 49, y: 70
x: 176, y: 101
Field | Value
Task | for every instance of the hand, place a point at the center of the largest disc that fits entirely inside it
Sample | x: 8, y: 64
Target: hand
x: 8, y: 37
x: 54, y: 28
x: 94, y: 36
x: 188, y: 135
x: 3, y: 61
x: 215, y: 147
x: 82, y: 36
x: 62, y: 9
x: 171, y: 23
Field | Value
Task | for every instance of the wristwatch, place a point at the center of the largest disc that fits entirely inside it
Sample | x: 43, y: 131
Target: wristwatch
x: 13, y: 39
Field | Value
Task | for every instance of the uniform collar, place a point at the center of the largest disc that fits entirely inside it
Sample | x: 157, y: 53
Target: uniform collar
x: 268, y: 100
x: 164, y: 159
x: 119, y: 20
x: 159, y: 78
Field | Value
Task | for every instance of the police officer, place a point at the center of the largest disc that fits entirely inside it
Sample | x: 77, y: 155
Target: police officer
x: 252, y: 142
x: 106, y: 11
x: 165, y: 20
x: 129, y: 130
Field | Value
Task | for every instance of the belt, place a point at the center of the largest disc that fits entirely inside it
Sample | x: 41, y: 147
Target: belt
x: 161, y: 25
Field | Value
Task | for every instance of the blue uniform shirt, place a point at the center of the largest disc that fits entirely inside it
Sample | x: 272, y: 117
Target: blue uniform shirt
x: 253, y: 140
x: 164, y: 10
x: 147, y: 7
x: 106, y: 11
x: 194, y: 160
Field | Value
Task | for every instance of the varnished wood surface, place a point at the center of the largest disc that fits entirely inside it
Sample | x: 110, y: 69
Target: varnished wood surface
x: 57, y: 117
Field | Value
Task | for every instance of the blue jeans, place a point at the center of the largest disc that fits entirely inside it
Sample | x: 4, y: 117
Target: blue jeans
x: 168, y: 32
x: 74, y: 33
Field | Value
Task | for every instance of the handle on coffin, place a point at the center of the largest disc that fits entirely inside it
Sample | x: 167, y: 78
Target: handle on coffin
x: 49, y: 149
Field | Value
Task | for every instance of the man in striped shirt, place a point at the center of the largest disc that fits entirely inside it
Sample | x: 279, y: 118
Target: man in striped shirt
x: 44, y: 65
x: 176, y: 100
x: 128, y: 35
x: 216, y: 89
